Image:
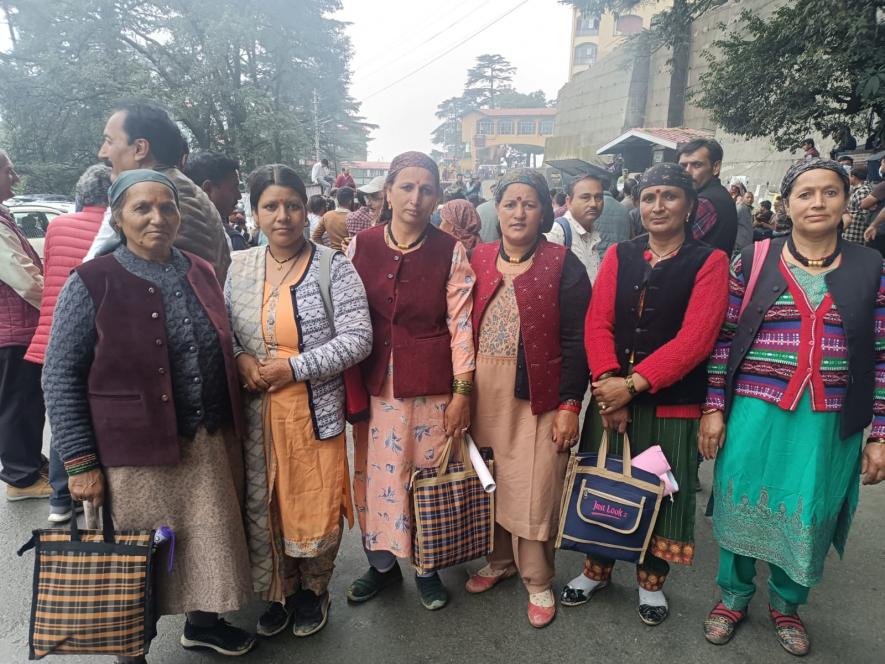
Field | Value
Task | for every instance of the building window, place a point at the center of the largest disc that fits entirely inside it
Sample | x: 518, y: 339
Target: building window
x: 628, y: 24
x: 585, y: 54
x: 485, y: 127
x: 505, y: 127
x: 546, y: 127
x: 526, y: 127
x: 587, y: 26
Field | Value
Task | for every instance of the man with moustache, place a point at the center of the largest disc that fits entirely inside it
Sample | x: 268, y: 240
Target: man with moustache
x: 715, y: 218
x: 142, y: 135
x: 575, y: 229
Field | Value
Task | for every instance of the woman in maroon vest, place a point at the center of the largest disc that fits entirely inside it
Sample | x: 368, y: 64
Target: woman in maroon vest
x: 143, y: 396
x: 531, y: 376
x: 420, y: 290
x: 658, y: 303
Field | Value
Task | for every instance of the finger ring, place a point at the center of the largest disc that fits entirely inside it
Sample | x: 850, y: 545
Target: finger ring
x: 602, y: 405
x: 245, y: 387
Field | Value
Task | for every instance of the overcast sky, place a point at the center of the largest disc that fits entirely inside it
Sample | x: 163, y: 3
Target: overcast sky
x: 392, y: 38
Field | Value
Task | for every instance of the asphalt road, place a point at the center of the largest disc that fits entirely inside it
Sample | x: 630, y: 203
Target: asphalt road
x: 844, y: 617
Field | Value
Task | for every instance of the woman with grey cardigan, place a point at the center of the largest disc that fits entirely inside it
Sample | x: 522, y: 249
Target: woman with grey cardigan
x: 291, y: 358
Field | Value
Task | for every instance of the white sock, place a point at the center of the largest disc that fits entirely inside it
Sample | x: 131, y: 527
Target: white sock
x: 652, y: 598
x: 583, y: 582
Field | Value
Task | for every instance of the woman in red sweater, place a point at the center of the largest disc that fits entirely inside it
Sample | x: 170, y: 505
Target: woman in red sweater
x: 657, y: 304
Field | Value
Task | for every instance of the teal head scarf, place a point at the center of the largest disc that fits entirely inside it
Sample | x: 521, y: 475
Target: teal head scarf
x: 128, y: 178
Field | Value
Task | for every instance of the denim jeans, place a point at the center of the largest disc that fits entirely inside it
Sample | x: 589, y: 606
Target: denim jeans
x: 58, y: 478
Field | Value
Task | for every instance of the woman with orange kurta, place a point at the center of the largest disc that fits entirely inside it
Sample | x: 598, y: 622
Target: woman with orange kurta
x: 290, y: 358
x: 419, y: 375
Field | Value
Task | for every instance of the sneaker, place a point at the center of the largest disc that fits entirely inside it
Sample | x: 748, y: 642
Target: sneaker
x: 433, y: 593
x: 311, y: 612
x: 63, y: 513
x: 222, y: 637
x: 39, y: 489
x: 373, y: 582
x: 275, y: 619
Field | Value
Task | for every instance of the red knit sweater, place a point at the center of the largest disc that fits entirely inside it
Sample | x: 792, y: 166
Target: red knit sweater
x: 669, y: 363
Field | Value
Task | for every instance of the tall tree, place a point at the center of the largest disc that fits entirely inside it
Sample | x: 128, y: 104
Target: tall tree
x: 671, y: 30
x: 797, y: 74
x: 491, y: 75
x: 237, y: 86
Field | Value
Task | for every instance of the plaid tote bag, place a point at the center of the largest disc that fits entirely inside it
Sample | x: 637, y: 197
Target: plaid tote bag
x: 609, y: 507
x: 453, y: 517
x: 93, y: 591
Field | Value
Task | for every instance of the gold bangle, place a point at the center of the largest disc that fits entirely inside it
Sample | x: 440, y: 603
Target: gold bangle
x: 875, y: 441
x: 707, y: 411
x: 631, y: 388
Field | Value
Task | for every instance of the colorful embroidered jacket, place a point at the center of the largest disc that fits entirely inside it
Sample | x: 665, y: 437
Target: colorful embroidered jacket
x: 795, y: 348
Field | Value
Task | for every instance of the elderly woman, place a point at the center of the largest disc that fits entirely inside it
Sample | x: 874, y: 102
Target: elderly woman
x: 291, y: 356
x: 658, y: 303
x: 419, y: 375
x: 797, y: 375
x: 459, y: 219
x: 531, y: 376
x: 143, y: 398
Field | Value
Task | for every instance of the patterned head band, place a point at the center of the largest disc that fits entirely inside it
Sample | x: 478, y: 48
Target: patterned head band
x: 668, y: 175
x: 533, y: 179
x: 410, y: 160
x: 801, y: 167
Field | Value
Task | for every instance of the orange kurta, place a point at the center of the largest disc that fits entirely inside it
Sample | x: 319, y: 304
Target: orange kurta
x: 310, y: 480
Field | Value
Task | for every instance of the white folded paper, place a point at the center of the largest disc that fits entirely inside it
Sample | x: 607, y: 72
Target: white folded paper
x: 479, y: 465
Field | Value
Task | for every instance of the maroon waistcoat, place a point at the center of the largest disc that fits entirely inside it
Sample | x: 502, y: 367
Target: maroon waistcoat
x: 130, y: 380
x: 537, y: 300
x: 18, y: 318
x: 407, y: 301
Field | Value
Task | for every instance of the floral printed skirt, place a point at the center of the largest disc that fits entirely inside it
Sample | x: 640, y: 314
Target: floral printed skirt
x: 786, y: 486
x: 401, y: 435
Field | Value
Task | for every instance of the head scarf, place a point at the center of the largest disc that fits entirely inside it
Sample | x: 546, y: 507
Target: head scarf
x: 413, y: 159
x: 668, y: 175
x: 801, y: 167
x: 534, y: 179
x: 128, y: 178
x: 459, y: 219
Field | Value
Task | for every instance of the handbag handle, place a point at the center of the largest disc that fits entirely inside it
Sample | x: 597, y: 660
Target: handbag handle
x: 447, y: 454
x: 627, y: 465
x: 107, y: 521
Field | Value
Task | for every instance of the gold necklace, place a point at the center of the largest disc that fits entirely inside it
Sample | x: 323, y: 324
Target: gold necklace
x: 666, y: 254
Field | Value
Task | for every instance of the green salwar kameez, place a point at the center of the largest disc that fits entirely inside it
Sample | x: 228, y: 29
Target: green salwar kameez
x: 786, y: 487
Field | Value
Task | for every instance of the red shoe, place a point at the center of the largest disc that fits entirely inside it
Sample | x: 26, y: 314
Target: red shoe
x: 542, y: 608
x: 486, y: 579
x: 791, y: 633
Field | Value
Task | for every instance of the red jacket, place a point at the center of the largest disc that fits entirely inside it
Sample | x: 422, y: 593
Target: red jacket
x: 18, y: 318
x: 67, y: 241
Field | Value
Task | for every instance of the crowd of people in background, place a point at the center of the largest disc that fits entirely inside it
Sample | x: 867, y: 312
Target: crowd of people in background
x: 194, y: 370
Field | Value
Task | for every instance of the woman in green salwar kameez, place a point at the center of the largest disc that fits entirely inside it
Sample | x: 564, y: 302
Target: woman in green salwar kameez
x: 799, y: 374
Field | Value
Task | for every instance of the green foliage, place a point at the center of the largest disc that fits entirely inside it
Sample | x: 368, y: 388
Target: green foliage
x: 488, y: 86
x: 812, y: 67
x: 238, y: 75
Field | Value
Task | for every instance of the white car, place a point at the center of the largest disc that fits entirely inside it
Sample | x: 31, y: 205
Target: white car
x: 33, y: 220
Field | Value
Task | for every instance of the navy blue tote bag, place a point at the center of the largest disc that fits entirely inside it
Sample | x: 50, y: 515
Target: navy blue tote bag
x: 608, y: 507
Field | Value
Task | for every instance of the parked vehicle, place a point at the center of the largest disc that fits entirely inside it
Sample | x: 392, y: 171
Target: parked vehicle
x: 33, y: 219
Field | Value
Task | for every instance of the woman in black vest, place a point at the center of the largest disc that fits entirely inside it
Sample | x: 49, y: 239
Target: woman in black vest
x: 657, y: 305
x: 143, y: 395
x: 797, y: 374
